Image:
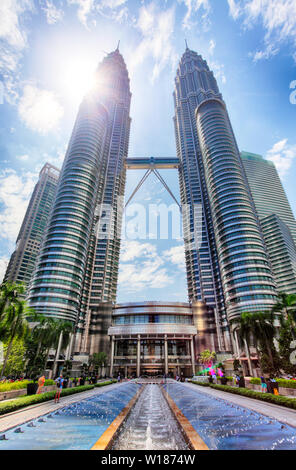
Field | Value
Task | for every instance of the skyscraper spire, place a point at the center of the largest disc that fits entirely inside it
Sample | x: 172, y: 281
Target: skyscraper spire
x: 117, y: 48
x: 187, y: 48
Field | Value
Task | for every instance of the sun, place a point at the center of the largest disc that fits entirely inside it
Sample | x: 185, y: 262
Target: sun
x: 78, y: 78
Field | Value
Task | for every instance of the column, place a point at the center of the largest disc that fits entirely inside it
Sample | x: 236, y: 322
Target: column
x: 112, y: 356
x: 139, y: 356
x: 70, y: 347
x: 192, y: 356
x: 57, y: 355
x: 166, y: 361
x: 236, y: 344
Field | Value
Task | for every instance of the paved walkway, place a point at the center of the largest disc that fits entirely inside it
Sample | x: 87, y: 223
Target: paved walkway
x: 281, y: 413
x: 16, y: 418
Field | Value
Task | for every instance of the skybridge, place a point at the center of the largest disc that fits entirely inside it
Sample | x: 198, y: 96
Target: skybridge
x: 152, y: 165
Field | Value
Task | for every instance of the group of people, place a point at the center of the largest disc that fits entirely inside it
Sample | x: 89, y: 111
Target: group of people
x: 269, y: 385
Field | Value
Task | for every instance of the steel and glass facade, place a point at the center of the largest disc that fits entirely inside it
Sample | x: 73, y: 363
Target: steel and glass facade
x: 276, y: 218
x: 247, y: 279
x: 202, y: 266
x: 78, y: 264
x: 23, y: 259
x: 152, y: 338
x: 267, y: 190
x: 212, y: 176
x: 282, y: 252
x: 57, y: 284
x: 228, y: 270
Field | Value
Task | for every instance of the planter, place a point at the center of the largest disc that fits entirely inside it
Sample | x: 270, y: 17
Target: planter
x: 32, y: 388
x: 241, y: 383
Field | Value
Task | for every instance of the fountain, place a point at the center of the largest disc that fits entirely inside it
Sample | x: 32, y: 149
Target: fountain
x: 226, y: 426
x: 150, y: 425
x: 74, y: 427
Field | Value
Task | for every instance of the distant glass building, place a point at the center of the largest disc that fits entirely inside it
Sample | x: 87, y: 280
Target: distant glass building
x: 267, y: 190
x: 227, y: 264
x: 277, y: 220
x: 23, y: 259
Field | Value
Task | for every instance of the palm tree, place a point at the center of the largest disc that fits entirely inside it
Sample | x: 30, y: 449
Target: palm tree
x: 207, y: 357
x: 9, y: 295
x: 265, y: 331
x: 287, y: 304
x: 14, y: 325
x: 62, y: 338
x: 243, y: 326
x: 98, y: 360
x: 259, y: 326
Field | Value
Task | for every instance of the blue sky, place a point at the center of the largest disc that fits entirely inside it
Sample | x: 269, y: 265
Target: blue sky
x: 49, y: 50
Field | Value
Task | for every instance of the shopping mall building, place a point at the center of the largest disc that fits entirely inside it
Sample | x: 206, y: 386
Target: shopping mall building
x: 156, y: 338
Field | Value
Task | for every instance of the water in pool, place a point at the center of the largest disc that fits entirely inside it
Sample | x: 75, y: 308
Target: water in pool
x: 226, y: 426
x: 75, y: 427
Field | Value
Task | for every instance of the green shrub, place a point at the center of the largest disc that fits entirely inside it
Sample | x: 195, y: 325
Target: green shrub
x: 22, y: 402
x: 8, y: 387
x: 282, y: 382
x: 203, y: 384
x: 269, y: 397
x: 108, y: 382
x: 229, y: 379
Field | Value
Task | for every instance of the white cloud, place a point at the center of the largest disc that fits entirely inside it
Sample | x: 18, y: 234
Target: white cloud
x: 282, y: 155
x: 212, y: 46
x: 14, y: 39
x: 147, y: 270
x: 10, y: 27
x: 15, y: 191
x: 39, y: 109
x: 4, y: 260
x: 218, y: 70
x: 53, y: 14
x: 134, y: 249
x: 23, y: 158
x: 278, y: 18
x: 193, y: 7
x: 156, y: 27
x: 85, y: 7
x: 112, y: 3
x: 234, y: 9
x: 176, y: 255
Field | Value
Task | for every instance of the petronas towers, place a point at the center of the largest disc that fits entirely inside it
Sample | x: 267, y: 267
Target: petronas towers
x: 228, y: 270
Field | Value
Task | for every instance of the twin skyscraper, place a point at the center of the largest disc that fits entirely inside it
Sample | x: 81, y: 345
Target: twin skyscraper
x: 228, y: 267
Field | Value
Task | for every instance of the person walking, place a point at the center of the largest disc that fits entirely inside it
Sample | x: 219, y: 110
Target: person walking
x: 41, y: 382
x: 263, y: 385
x: 59, y: 382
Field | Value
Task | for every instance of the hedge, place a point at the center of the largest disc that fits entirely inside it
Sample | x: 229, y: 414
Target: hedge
x: 22, y: 402
x: 9, y: 386
x: 203, y: 384
x: 109, y: 382
x: 282, y: 382
x: 269, y: 397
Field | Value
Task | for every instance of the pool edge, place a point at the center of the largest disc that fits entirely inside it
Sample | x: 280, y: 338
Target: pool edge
x: 192, y: 438
x: 106, y: 440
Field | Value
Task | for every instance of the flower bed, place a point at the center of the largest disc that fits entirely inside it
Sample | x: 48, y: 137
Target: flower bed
x: 18, y: 385
x: 268, y: 397
x: 282, y: 382
x: 22, y: 402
